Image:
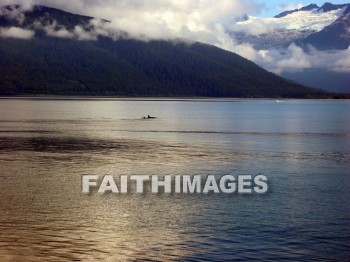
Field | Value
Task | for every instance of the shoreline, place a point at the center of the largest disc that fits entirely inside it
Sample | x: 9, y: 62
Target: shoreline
x: 184, y: 99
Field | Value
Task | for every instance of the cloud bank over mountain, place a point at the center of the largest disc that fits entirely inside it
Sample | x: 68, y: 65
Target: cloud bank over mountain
x: 199, y: 20
x: 295, y: 59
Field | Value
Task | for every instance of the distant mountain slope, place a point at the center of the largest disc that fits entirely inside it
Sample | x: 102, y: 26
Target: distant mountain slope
x: 334, y: 36
x: 65, y: 66
x: 129, y: 67
x: 308, y: 25
x: 321, y: 78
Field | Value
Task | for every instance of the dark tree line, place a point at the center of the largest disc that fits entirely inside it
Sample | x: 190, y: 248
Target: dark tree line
x: 46, y: 65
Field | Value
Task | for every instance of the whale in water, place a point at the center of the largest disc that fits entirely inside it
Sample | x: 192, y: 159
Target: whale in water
x: 149, y: 117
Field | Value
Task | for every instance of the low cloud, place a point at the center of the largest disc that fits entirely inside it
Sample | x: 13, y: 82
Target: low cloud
x: 254, y: 26
x: 197, y: 20
x: 342, y: 64
x: 16, y: 32
x: 291, y: 59
x: 294, y: 59
x: 55, y: 30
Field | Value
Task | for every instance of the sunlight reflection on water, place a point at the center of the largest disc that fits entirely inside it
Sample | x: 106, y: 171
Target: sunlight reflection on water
x: 301, y: 146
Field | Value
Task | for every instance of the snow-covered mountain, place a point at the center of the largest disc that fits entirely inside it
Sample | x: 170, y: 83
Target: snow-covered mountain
x: 310, y: 45
x: 291, y: 26
x: 335, y: 36
x: 304, y: 19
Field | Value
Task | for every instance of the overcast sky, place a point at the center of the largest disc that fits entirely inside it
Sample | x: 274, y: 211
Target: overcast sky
x: 108, y: 8
x: 111, y: 8
x: 273, y: 7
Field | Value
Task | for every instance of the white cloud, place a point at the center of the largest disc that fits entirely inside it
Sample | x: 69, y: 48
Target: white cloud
x: 169, y: 19
x: 337, y: 61
x: 295, y: 59
x: 290, y: 7
x: 154, y: 19
x: 78, y: 33
x: 196, y: 20
x: 53, y: 30
x: 291, y: 59
x: 254, y: 26
x: 166, y: 10
x: 16, y: 32
x: 83, y: 35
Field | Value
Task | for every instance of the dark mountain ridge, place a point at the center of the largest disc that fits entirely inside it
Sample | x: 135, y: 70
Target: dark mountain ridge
x: 42, y: 14
x: 305, y: 8
x: 326, y: 7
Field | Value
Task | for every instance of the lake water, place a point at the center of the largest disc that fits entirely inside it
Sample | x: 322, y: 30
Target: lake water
x: 301, y: 146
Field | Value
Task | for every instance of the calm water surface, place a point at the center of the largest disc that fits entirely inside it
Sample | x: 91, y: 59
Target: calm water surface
x: 302, y: 147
